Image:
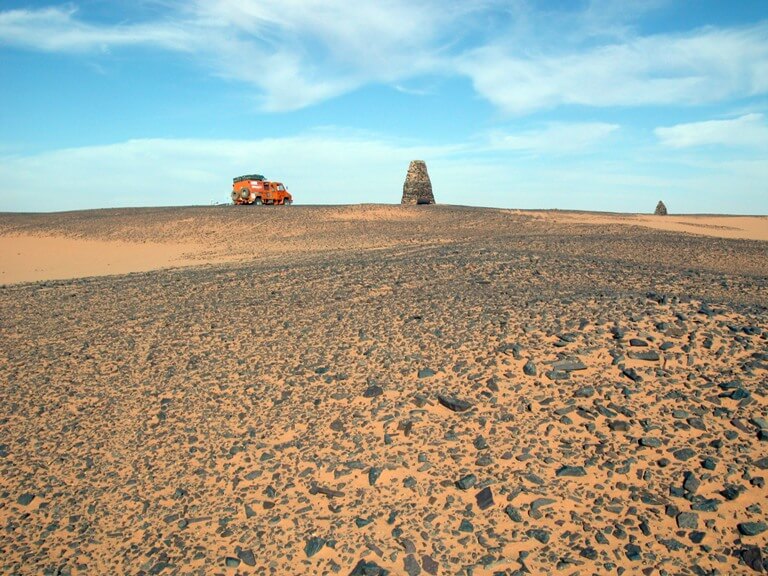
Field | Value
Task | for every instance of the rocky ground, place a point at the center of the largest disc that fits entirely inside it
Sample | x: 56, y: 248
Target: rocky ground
x: 439, y: 391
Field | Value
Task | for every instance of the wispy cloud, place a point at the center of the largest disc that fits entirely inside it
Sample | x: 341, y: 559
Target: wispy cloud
x: 300, y: 52
x: 709, y: 65
x: 749, y: 130
x: 58, y: 29
x: 554, y: 138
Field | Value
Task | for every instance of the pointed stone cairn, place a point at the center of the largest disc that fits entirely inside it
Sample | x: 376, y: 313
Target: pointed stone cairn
x: 661, y: 210
x: 417, y: 188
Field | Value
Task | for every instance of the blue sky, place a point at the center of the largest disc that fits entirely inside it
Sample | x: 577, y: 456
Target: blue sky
x: 591, y: 105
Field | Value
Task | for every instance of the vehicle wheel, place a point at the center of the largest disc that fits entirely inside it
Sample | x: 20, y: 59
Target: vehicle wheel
x: 287, y: 202
x: 235, y: 195
x: 258, y: 202
x: 245, y: 193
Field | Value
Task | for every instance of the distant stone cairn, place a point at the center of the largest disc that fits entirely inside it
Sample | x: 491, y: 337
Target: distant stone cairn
x: 661, y: 210
x: 417, y: 188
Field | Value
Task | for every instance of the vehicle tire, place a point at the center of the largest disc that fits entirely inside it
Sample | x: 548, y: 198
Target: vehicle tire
x: 245, y: 193
x: 258, y: 202
x: 287, y: 202
x: 235, y: 195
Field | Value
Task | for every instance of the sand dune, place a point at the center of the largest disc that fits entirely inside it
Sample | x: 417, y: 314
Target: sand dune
x: 372, y: 390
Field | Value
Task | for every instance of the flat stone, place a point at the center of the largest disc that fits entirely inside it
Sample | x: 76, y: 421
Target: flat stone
x: 571, y: 471
x: 426, y: 373
x: 752, y: 528
x: 313, y: 546
x: 529, y: 369
x: 687, y: 520
x: 25, y: 499
x: 365, y: 568
x: 429, y: 565
x: 538, y: 534
x: 454, y: 404
x: 484, y: 498
x: 412, y: 565
x: 247, y: 557
x: 684, y: 454
x: 466, y: 482
x: 373, y: 391
x: 373, y: 475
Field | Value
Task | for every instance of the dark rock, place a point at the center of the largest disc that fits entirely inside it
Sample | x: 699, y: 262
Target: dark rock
x: 687, y: 520
x: 429, y: 565
x: 231, y: 562
x: 637, y: 342
x: 618, y: 425
x: 538, y: 534
x: 632, y: 551
x: 426, y: 373
x: 650, y: 442
x: 570, y: 365
x: 632, y: 374
x: 466, y: 526
x: 247, y: 557
x: 530, y: 368
x: 373, y: 475
x: 25, y: 499
x: 752, y: 528
x: 691, y: 483
x: 753, y: 558
x: 684, y: 454
x: 484, y: 498
x: 466, y: 482
x: 313, y: 546
x: 412, y: 565
x: 363, y: 568
x: 513, y: 513
x: 571, y: 471
x: 454, y: 404
x: 373, y: 391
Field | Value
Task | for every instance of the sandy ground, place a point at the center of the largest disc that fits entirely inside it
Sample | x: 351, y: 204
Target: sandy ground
x: 383, y: 390
x: 61, y: 246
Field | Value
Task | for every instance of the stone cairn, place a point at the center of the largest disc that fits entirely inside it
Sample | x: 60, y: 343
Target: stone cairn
x: 661, y: 210
x: 417, y: 188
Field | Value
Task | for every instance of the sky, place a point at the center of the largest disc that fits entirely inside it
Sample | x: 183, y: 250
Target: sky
x: 606, y: 105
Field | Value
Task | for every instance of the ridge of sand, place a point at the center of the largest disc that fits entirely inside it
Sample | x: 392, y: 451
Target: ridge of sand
x: 106, y: 242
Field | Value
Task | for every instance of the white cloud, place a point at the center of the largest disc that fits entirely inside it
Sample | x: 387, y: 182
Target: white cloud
x: 709, y: 65
x: 555, y: 138
x: 749, y: 130
x: 519, y: 56
x: 59, y: 30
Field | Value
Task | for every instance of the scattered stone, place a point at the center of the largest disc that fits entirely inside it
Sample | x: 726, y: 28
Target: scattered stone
x: 365, y: 568
x: 373, y: 475
x: 538, y: 534
x: 529, y: 369
x: 571, y: 471
x: 466, y: 482
x: 684, y: 454
x: 25, y: 499
x: 373, y: 391
x: 454, y: 404
x: 687, y: 520
x: 752, y: 528
x: 412, y: 565
x: 426, y: 373
x: 484, y: 498
x: 247, y: 557
x: 313, y: 546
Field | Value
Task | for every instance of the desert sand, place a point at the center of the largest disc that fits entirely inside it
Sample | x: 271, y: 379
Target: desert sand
x: 382, y: 390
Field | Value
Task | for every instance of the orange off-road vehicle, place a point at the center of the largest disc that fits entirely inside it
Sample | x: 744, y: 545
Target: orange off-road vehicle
x: 255, y: 189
